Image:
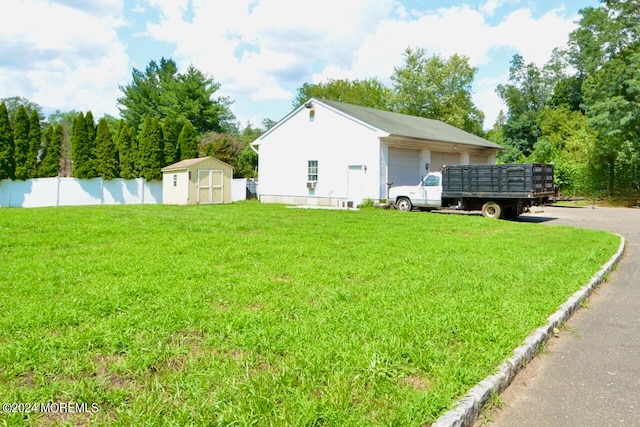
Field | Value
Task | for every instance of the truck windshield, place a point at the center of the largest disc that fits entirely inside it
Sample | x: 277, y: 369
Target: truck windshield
x: 431, y: 181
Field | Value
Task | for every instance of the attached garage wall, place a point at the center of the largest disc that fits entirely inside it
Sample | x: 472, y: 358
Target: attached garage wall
x: 478, y: 160
x: 440, y: 158
x: 404, y: 166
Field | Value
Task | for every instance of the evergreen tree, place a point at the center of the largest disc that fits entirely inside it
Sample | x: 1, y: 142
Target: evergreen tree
x: 188, y: 142
x: 21, y: 141
x: 91, y: 128
x: 171, y: 150
x: 82, y: 153
x: 150, y: 150
x: 50, y: 163
x: 7, y: 159
x: 106, y: 152
x: 35, y: 143
x: 126, y: 158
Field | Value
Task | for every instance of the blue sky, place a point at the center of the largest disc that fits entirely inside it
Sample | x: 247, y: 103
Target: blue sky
x: 75, y: 54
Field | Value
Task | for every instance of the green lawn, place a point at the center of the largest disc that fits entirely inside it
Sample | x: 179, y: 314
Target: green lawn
x: 251, y: 314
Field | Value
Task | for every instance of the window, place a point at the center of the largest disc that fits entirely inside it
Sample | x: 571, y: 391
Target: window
x: 175, y: 180
x: 431, y: 181
x: 312, y: 170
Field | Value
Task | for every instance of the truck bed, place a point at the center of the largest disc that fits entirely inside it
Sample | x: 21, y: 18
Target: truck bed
x: 514, y: 180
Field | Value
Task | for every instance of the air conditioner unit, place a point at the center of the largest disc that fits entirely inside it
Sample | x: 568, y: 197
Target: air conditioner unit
x: 311, y: 184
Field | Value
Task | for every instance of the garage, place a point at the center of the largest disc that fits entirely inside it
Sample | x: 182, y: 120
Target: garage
x: 199, y: 181
x: 441, y: 158
x: 404, y: 166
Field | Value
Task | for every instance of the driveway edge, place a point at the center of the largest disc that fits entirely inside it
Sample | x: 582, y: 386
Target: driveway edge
x: 468, y: 409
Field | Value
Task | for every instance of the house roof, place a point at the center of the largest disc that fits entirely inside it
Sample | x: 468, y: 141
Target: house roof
x: 187, y: 163
x: 409, y: 126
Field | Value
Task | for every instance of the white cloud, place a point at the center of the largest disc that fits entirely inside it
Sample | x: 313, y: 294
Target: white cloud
x: 66, y: 54
x: 62, y: 57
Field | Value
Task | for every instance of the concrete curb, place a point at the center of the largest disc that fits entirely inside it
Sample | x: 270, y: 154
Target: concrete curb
x: 468, y: 409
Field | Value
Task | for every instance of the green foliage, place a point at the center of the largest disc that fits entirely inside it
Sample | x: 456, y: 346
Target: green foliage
x: 224, y: 147
x: 254, y: 314
x: 7, y: 148
x: 366, y: 93
x: 15, y: 102
x: 21, y: 142
x: 150, y: 159
x: 162, y: 92
x: 188, y: 142
x: 106, y: 152
x: 128, y: 149
x: 82, y: 148
x: 170, y: 134
x: 50, y: 163
x: 247, y: 164
x: 437, y: 88
x: 35, y: 144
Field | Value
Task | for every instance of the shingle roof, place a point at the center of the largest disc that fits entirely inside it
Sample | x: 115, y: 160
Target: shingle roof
x: 184, y: 164
x: 410, y: 126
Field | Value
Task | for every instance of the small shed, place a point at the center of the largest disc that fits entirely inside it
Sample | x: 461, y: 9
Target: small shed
x: 204, y: 180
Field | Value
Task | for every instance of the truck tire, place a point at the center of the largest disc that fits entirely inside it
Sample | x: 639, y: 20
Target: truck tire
x: 404, y: 204
x: 492, y: 210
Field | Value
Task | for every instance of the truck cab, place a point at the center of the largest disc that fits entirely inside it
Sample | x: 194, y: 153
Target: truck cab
x: 426, y: 195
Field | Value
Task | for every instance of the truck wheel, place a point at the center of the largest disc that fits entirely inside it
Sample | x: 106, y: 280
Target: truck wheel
x: 491, y: 210
x: 404, y: 204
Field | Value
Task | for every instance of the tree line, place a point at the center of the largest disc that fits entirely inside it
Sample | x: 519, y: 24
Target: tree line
x: 166, y: 116
x: 580, y: 111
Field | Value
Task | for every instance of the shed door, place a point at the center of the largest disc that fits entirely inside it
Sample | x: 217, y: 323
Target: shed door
x: 210, y: 186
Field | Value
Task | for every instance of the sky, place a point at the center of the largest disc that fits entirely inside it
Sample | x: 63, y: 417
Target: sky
x: 77, y: 54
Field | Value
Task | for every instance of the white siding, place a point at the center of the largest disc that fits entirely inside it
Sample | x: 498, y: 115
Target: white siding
x: 332, y: 139
x: 175, y: 187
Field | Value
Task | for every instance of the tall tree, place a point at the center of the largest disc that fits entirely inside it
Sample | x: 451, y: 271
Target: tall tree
x: 21, y: 141
x: 160, y: 91
x: 171, y: 149
x: 82, y: 150
x: 605, y: 49
x: 14, y: 103
x: 7, y: 149
x: 35, y: 144
x: 127, y: 145
x: 529, y: 90
x: 437, y: 88
x: 50, y: 163
x: 150, y: 150
x: 188, y: 142
x: 366, y: 93
x: 106, y: 152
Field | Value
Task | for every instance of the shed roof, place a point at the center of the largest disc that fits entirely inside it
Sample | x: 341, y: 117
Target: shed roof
x: 187, y: 163
x: 404, y: 125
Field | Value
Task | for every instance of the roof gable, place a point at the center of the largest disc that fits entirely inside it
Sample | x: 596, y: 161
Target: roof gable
x: 187, y: 163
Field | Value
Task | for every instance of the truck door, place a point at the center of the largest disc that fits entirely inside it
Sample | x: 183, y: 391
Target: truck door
x: 431, y: 191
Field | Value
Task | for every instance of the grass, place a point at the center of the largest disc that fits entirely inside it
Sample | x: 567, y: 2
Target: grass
x: 251, y: 314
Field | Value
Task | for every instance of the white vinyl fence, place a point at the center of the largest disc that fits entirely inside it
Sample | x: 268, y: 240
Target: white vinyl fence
x: 41, y: 192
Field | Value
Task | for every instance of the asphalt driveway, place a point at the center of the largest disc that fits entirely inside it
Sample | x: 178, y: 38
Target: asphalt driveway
x: 590, y: 374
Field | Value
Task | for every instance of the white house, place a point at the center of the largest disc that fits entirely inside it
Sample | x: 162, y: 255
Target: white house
x: 336, y: 154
